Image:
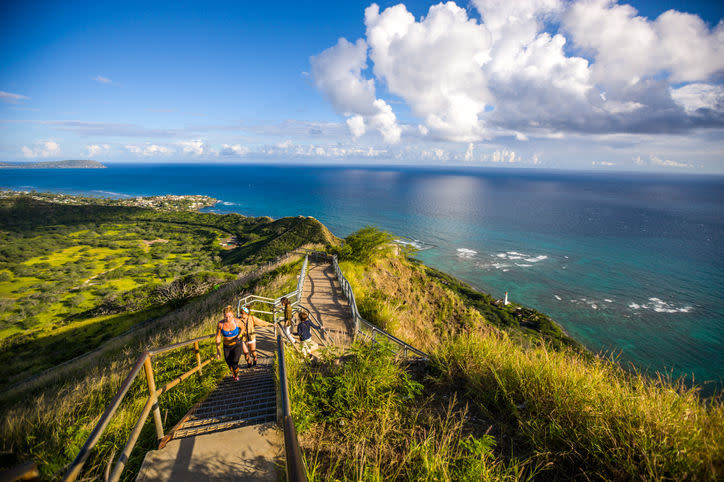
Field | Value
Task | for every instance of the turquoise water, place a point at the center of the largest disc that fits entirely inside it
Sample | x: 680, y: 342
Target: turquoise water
x: 625, y: 263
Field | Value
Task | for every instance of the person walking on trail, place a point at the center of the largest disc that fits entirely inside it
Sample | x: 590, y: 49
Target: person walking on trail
x: 288, y: 318
x: 231, y: 332
x: 248, y: 339
x: 304, y: 328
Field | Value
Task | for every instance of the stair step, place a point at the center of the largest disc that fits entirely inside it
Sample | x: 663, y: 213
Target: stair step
x: 243, y: 388
x: 216, y: 427
x: 269, y: 410
x: 232, y: 408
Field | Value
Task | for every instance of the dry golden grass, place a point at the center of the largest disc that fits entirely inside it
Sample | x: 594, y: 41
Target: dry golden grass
x: 578, y: 416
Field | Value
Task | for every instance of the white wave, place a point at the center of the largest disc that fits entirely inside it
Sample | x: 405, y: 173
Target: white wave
x: 415, y: 243
x: 607, y: 300
x: 537, y: 259
x: 500, y: 265
x: 523, y: 265
x: 501, y: 255
x: 660, y: 306
x: 558, y: 297
x: 404, y: 242
x: 111, y: 193
x: 515, y: 253
x: 228, y: 203
x: 466, y: 253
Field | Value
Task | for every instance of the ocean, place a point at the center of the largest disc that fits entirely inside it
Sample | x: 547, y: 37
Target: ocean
x: 628, y: 264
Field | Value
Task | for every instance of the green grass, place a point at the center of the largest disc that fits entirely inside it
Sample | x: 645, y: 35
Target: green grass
x: 45, y: 349
x: 53, y: 436
x: 50, y: 424
x: 61, y: 264
x: 558, y: 407
x: 368, y: 418
x: 72, y: 254
x: 16, y: 287
x: 588, y: 416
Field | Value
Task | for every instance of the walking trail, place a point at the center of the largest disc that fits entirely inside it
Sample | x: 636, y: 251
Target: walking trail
x: 232, y: 435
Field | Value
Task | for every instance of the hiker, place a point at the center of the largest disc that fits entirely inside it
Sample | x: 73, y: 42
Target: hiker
x: 248, y: 338
x: 288, y: 318
x: 229, y: 329
x: 304, y: 328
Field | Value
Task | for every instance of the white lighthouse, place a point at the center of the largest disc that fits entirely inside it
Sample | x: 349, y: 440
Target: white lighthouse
x: 505, y: 301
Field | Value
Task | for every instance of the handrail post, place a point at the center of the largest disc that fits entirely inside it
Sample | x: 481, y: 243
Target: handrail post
x: 152, y: 393
x: 198, y: 356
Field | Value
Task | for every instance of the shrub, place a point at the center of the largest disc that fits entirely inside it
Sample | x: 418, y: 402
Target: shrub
x: 361, y: 245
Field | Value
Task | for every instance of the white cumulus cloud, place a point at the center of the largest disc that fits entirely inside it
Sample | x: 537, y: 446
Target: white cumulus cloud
x: 434, y: 65
x: 337, y: 73
x: 196, y: 147
x: 657, y: 161
x: 628, y: 47
x: 469, y: 152
x: 42, y: 149
x: 693, y: 97
x: 93, y: 150
x: 356, y: 125
x: 527, y: 68
x: 149, y: 150
x: 504, y: 156
x: 234, y: 150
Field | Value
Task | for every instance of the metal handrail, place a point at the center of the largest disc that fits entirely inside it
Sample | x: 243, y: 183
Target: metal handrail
x: 359, y: 321
x: 295, y: 467
x: 294, y: 463
x: 144, y: 361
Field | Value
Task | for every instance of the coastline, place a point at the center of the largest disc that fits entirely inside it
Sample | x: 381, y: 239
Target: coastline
x: 450, y: 210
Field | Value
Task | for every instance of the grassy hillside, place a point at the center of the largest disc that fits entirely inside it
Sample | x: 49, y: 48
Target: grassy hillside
x: 506, y: 395
x: 50, y: 423
x: 76, y: 272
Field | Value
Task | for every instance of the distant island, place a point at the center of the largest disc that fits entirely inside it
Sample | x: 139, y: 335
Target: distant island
x: 69, y: 164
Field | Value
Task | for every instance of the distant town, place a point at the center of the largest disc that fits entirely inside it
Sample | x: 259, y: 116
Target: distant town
x: 168, y: 202
x: 69, y: 164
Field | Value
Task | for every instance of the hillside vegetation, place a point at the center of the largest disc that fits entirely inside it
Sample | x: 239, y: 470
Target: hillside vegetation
x: 76, y: 275
x: 50, y: 423
x: 506, y: 394
x: 106, y: 281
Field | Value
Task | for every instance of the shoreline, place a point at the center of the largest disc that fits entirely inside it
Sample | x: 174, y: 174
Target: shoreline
x: 613, y: 328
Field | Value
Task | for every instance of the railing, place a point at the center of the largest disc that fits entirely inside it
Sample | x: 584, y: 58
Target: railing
x: 362, y: 326
x: 294, y: 297
x: 144, y: 361
x: 294, y: 465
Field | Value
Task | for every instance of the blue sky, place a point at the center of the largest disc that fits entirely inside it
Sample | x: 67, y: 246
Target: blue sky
x: 544, y: 83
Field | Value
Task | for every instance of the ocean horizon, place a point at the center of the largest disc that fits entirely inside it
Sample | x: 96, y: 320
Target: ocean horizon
x: 627, y: 263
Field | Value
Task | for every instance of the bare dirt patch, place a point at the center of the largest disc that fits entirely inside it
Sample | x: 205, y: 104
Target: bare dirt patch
x: 147, y: 244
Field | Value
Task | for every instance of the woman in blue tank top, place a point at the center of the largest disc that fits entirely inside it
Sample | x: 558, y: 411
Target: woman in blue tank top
x: 229, y: 329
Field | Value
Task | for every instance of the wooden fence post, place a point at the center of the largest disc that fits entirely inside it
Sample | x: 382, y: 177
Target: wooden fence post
x: 154, y: 396
x: 198, y: 356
